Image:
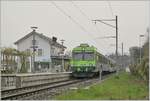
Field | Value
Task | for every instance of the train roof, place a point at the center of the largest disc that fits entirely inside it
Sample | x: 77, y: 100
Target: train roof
x: 84, y: 47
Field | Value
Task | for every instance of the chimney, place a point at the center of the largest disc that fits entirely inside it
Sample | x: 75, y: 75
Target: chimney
x: 54, y: 39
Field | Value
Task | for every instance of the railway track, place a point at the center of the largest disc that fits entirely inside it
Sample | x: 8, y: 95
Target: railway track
x: 14, y: 94
x: 47, y: 88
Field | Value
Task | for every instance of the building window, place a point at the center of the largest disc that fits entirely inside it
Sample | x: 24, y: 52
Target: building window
x: 39, y: 52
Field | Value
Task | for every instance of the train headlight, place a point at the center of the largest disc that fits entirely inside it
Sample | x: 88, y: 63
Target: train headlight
x: 78, y: 69
x: 86, y: 69
x: 91, y: 65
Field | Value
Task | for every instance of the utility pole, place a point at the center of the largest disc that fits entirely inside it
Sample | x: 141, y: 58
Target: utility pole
x: 122, y: 55
x: 122, y: 48
x: 116, y: 38
x: 0, y: 52
x: 116, y: 27
x: 62, y: 42
x: 140, y: 46
x: 1, y: 49
x: 34, y: 48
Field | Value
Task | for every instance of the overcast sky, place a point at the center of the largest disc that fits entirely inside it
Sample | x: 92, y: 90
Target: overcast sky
x: 71, y: 21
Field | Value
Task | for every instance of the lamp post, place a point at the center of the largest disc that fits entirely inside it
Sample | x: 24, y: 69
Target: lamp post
x: 62, y: 42
x: 34, y: 48
x: 140, y: 46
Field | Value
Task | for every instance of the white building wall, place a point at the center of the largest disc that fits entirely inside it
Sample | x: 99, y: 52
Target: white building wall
x: 55, y: 51
x: 42, y: 44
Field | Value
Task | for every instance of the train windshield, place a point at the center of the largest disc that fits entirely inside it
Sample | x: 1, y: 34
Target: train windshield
x: 83, y: 56
x: 88, y: 56
x: 78, y: 56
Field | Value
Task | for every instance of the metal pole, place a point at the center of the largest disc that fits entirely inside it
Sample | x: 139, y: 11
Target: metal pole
x: 50, y: 58
x: 122, y: 55
x: 140, y: 47
x: 33, y: 43
x: 122, y: 48
x: 0, y: 52
x: 0, y: 48
x: 116, y: 37
x: 62, y: 41
x: 100, y: 73
x: 34, y: 48
x: 117, y: 41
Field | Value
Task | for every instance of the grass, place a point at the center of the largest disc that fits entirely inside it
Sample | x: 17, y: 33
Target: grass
x: 123, y: 87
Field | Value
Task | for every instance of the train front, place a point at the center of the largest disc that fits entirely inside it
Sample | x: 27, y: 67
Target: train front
x: 83, y: 61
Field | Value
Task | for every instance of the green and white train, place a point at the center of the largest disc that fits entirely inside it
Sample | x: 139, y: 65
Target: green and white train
x: 87, y: 61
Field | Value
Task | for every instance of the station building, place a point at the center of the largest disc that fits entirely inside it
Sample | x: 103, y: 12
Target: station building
x: 47, y: 55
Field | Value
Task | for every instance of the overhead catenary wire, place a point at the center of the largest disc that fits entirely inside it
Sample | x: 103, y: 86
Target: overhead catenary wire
x: 70, y: 17
x: 78, y: 24
x: 74, y: 21
x: 79, y: 10
x: 85, y: 15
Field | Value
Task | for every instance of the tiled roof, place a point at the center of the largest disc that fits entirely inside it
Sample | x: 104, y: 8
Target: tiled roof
x: 41, y: 36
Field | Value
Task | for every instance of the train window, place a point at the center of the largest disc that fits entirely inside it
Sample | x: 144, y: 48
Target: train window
x: 77, y: 56
x: 83, y: 56
x: 88, y: 56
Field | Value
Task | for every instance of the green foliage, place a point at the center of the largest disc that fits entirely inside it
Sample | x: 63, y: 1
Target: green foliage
x: 23, y: 57
x: 9, y: 60
x: 141, y: 69
x: 116, y: 77
x: 125, y: 88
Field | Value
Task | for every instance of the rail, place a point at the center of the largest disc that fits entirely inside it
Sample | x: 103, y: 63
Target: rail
x: 28, y: 91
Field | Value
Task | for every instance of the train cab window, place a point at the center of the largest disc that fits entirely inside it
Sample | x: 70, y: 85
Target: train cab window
x: 88, y: 56
x: 77, y: 56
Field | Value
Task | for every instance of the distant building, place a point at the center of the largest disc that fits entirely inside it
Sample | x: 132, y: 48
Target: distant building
x: 122, y: 61
x: 47, y: 51
x: 135, y: 55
